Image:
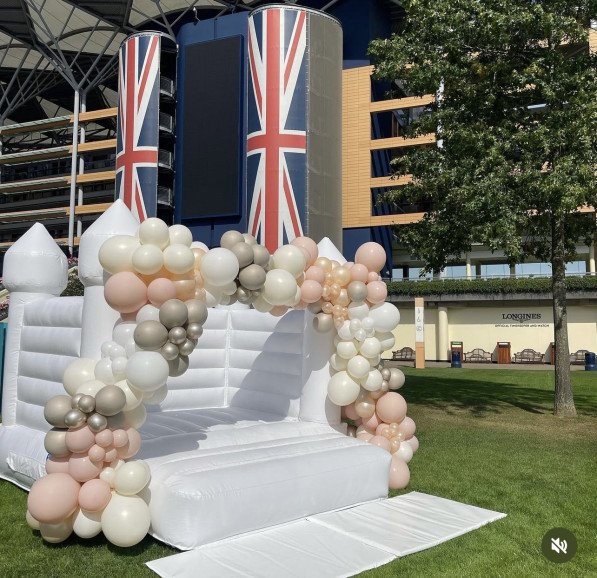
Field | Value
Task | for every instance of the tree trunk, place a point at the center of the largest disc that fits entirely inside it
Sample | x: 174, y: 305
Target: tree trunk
x: 564, y: 401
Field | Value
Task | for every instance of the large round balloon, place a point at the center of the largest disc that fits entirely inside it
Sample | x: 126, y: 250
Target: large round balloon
x: 147, y: 370
x: 53, y: 498
x: 343, y: 389
x: 125, y: 292
x: 131, y: 478
x: 391, y: 407
x: 78, y: 372
x: 219, y: 266
x: 125, y: 520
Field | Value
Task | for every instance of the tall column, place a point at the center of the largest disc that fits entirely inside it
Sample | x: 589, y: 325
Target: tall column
x: 442, y: 333
x: 73, y: 175
x: 419, y: 332
x: 592, y: 258
x: 81, y: 164
x: 469, y: 268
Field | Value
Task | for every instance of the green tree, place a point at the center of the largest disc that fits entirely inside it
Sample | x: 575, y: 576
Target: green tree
x: 516, y: 119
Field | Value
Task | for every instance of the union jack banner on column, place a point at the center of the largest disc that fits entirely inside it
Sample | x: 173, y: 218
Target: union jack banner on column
x: 277, y: 132
x: 138, y: 124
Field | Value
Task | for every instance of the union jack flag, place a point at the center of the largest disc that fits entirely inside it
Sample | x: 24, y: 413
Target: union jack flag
x: 277, y: 137
x: 137, y: 124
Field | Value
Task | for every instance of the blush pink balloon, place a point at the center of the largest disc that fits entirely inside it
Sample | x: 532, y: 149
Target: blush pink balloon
x: 120, y: 438
x: 104, y: 438
x: 94, y: 495
x: 96, y: 453
x: 372, y: 255
x: 349, y: 264
x: 315, y: 273
x: 278, y: 310
x: 111, y: 454
x: 311, y: 291
x: 407, y: 427
x: 125, y: 292
x: 57, y: 465
x: 377, y: 291
x: 372, y: 422
x: 79, y: 440
x: 359, y: 273
x: 399, y: 474
x: 82, y: 469
x: 372, y: 277
x: 382, y: 427
x: 380, y: 442
x: 160, y: 290
x: 301, y: 305
x: 413, y: 442
x: 53, y: 498
x: 350, y: 412
x: 364, y: 435
x: 134, y: 443
x: 391, y: 407
x: 309, y: 245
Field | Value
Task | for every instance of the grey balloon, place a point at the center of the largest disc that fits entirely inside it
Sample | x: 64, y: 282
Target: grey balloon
x: 260, y: 255
x: 75, y: 418
x: 194, y: 331
x: 75, y: 400
x: 323, y: 322
x: 97, y: 422
x: 357, y: 291
x: 385, y: 374
x: 177, y: 335
x: 86, y: 403
x: 252, y: 277
x: 55, y: 443
x: 196, y: 311
x: 116, y: 421
x: 244, y: 254
x: 150, y: 335
x: 109, y: 400
x: 315, y: 307
x: 249, y: 239
x: 173, y: 313
x: 178, y: 366
x: 187, y: 347
x: 231, y: 238
x: 169, y: 351
x: 56, y: 409
x: 243, y: 295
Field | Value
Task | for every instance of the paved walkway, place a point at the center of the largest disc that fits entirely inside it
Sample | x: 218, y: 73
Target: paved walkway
x: 523, y: 366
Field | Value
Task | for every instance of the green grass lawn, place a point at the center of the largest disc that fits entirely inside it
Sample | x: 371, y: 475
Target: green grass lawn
x: 487, y: 438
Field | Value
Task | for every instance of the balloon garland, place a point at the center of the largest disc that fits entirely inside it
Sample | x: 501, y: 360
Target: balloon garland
x: 162, y: 284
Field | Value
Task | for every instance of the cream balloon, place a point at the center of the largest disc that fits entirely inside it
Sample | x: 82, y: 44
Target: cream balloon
x: 358, y: 367
x: 103, y: 371
x: 146, y: 313
x: 77, y: 373
x: 123, y: 330
x: 90, y: 387
x: 56, y: 533
x: 397, y: 378
x: 116, y: 253
x: 291, y: 259
x: 125, y: 520
x: 219, y: 267
x: 346, y: 349
x: 154, y: 231
x: 178, y: 259
x: 133, y: 396
x: 180, y: 235
x: 405, y: 452
x: 131, y: 478
x: 338, y: 363
x: 87, y: 524
x: 342, y: 389
x: 372, y: 381
x: 147, y: 370
x: 385, y: 317
x: 148, y: 259
x: 280, y: 286
x: 136, y: 417
x: 386, y: 340
x: 370, y: 347
x: 358, y: 310
x: 344, y: 331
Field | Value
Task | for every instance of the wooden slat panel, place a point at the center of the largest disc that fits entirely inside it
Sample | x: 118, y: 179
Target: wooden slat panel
x: 34, y: 185
x: 399, y: 141
x: 97, y: 145
x: 16, y: 216
x: 100, y: 176
x: 96, y: 114
x: 401, y: 103
x: 38, y: 155
x: 89, y: 209
x: 592, y: 40
x: 379, y: 182
x: 57, y: 122
x: 401, y: 219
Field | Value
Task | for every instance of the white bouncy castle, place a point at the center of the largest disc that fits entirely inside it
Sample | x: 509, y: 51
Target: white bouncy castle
x: 244, y: 439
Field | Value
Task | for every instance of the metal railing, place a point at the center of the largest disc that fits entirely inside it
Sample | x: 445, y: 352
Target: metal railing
x: 484, y: 277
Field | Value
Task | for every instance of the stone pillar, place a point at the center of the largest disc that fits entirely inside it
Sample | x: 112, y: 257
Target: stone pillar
x: 591, y: 263
x: 442, y: 333
x: 419, y: 332
x: 469, y: 268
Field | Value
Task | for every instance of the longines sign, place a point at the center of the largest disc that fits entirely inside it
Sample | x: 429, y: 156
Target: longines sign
x: 521, y: 320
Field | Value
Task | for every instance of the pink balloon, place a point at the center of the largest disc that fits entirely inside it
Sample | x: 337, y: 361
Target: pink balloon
x: 359, y: 273
x: 382, y: 427
x: 134, y: 443
x: 279, y: 310
x: 94, y: 495
x: 380, y: 442
x: 399, y: 474
x: 111, y: 454
x: 120, y: 438
x: 160, y: 290
x: 79, y: 440
x: 371, y: 422
x: 104, y: 438
x: 391, y: 407
x: 301, y: 305
x: 377, y: 291
x: 315, y: 273
x: 125, y: 292
x: 414, y: 443
x: 311, y: 291
x: 350, y: 412
x: 57, y: 465
x: 82, y: 469
x: 309, y: 245
x: 407, y: 427
x: 349, y: 264
x: 96, y: 453
x: 364, y: 435
x: 372, y: 277
x: 53, y: 498
x: 372, y: 255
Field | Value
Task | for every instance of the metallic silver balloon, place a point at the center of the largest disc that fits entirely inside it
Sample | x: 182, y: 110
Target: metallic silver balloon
x: 323, y: 322
x: 196, y: 311
x: 260, y: 255
x: 178, y: 366
x: 177, y: 335
x: 150, y: 335
x: 86, y: 403
x: 75, y: 400
x: 173, y: 313
x: 244, y: 254
x: 249, y: 239
x: 385, y: 374
x: 75, y: 418
x: 231, y: 238
x: 194, y: 331
x: 109, y: 400
x: 243, y: 295
x: 187, y: 347
x: 97, y: 422
x: 56, y: 409
x: 357, y: 291
x: 252, y: 277
x: 55, y: 443
x: 169, y: 351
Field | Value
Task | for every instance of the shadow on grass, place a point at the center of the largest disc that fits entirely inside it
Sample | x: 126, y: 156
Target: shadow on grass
x: 490, y: 393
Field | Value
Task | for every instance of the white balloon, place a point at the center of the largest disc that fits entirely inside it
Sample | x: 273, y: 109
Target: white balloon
x: 385, y: 316
x: 148, y: 259
x: 154, y: 231
x: 397, y: 378
x: 355, y: 325
x: 133, y: 396
x: 123, y: 330
x: 342, y: 389
x: 405, y: 452
x: 358, y: 310
x: 372, y: 381
x: 387, y: 340
x: 338, y: 363
x: 125, y: 520
x: 291, y: 259
x: 261, y: 305
x: 297, y: 298
x: 199, y: 245
x: 87, y: 524
x: 131, y: 348
x: 346, y: 349
x: 180, y: 235
x: 131, y: 478
x: 146, y: 313
x: 367, y: 324
x: 280, y: 287
x: 156, y: 397
x: 178, y: 259
x: 77, y: 373
x: 136, y: 417
x: 147, y: 370
x: 116, y: 253
x: 229, y: 288
x: 107, y: 474
x: 119, y: 367
x: 90, y: 387
x: 370, y: 347
x: 360, y: 335
x: 374, y: 361
x: 358, y: 367
x: 212, y: 297
x: 219, y: 266
x: 344, y: 331
x: 103, y: 371
x: 106, y: 348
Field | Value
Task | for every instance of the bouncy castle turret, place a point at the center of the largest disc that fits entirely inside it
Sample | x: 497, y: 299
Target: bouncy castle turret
x: 34, y: 268
x: 98, y: 317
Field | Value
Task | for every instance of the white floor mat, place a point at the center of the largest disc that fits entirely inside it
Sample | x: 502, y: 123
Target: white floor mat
x: 335, y: 544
